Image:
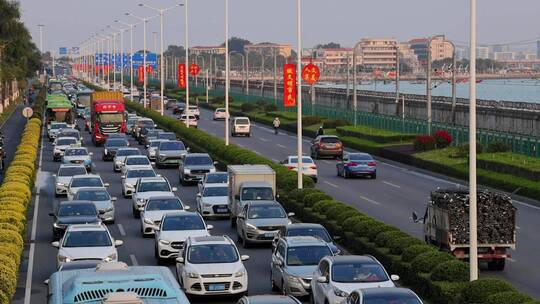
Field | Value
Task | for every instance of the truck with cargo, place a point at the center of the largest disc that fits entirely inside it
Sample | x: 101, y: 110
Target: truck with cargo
x: 107, y: 115
x: 446, y: 225
x: 59, y: 109
x: 249, y: 183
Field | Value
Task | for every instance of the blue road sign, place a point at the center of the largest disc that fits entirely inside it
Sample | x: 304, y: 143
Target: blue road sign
x: 62, y: 51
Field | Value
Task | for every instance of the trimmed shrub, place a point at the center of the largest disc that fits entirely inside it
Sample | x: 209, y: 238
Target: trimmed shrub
x: 410, y: 253
x: 463, y: 150
x: 425, y: 262
x: 270, y: 107
x: 498, y: 146
x: 248, y: 107
x: 332, y: 124
x: 384, y: 238
x: 311, y: 199
x: 397, y: 245
x: 424, y: 143
x: 451, y: 271
x: 8, y: 283
x: 507, y: 297
x: 443, y: 139
x: 479, y: 291
x: 311, y: 120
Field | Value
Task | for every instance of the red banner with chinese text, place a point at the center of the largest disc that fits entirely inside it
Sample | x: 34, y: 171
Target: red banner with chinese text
x: 182, y: 75
x: 140, y: 73
x: 289, y: 85
x: 194, y: 69
x: 311, y: 73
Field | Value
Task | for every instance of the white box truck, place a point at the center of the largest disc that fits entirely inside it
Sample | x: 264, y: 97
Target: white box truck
x: 249, y: 183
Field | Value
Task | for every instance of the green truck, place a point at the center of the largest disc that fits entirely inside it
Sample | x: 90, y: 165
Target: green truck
x: 60, y: 109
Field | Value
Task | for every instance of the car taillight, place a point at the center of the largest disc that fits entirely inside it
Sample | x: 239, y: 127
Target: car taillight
x: 372, y: 164
x: 352, y: 164
x: 291, y: 167
x: 338, y: 145
x: 313, y: 167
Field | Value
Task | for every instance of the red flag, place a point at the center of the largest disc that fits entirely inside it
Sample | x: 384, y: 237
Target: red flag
x: 289, y: 85
x: 311, y: 73
x: 182, y: 75
x: 194, y: 69
x: 140, y: 71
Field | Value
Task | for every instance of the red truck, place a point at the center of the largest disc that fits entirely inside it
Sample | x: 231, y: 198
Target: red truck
x: 107, y: 115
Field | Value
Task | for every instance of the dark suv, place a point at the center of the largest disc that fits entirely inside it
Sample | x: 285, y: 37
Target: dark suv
x: 326, y: 146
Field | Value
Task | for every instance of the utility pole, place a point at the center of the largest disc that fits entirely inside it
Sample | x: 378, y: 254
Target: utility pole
x: 397, y: 76
x: 299, y: 92
x: 247, y: 69
x: 275, y: 75
x: 355, y: 101
x: 186, y: 60
x: 40, y: 26
x: 227, y: 57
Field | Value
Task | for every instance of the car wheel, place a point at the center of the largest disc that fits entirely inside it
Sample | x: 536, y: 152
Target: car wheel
x: 272, y: 283
x: 345, y: 174
x: 245, y: 242
x: 374, y: 176
x: 136, y: 213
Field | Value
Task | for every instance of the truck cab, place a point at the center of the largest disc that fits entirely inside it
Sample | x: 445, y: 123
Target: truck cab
x: 107, y: 115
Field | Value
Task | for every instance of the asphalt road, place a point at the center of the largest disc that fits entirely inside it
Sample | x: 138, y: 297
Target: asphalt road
x: 391, y: 198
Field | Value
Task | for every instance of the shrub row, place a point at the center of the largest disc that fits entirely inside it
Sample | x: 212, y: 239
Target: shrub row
x: 372, y: 134
x: 15, y: 196
x: 505, y: 168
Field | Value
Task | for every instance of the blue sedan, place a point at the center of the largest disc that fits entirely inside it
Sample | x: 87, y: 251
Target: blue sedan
x: 357, y: 164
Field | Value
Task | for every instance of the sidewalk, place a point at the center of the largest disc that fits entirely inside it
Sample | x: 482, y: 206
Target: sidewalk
x: 12, y: 130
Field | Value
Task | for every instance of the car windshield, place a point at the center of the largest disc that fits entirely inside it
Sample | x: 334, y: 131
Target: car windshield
x: 70, y: 171
x: 154, y: 186
x: 218, y: 178
x: 57, y: 126
x: 390, y: 299
x: 198, y: 161
x: 131, y: 121
x: 242, y: 121
x: 316, y: 232
x: 77, y: 210
x: 305, y: 160
x: 191, y: 222
x: 140, y: 173
x: 86, y: 182
x: 257, y: 194
x: 358, y: 273
x: 66, y: 141
x: 74, y: 134
x: 216, y: 191
x: 330, y: 140
x: 212, y: 254
x: 169, y: 136
x: 83, y: 100
x: 220, y: 110
x: 96, y: 238
x: 111, y: 117
x: 92, y: 195
x: 306, y: 255
x: 360, y: 157
x: 117, y: 142
x: 164, y: 204
x: 128, y: 152
x: 184, y: 117
x: 265, y: 212
x: 193, y: 108
x: 137, y: 161
x: 172, y: 146
x: 146, y: 123
x: 75, y: 152
x: 155, y: 143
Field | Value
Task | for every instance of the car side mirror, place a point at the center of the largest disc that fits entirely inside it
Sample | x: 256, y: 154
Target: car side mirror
x: 241, y: 216
x: 54, y: 175
x: 279, y: 263
x: 209, y: 227
x: 114, y: 198
x: 55, y: 244
x: 394, y: 277
x: 174, y: 189
x: 51, y: 214
x: 180, y: 260
x: 187, y: 208
x: 322, y: 279
x: 199, y: 195
x: 244, y: 257
x: 215, y: 162
x: 158, y: 175
x: 106, y: 185
x: 123, y: 176
x: 290, y: 214
x: 118, y: 243
x: 188, y: 149
x: 90, y: 153
x: 46, y: 282
x: 336, y: 237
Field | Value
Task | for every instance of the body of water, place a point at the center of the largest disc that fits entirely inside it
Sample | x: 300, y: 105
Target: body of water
x: 523, y: 90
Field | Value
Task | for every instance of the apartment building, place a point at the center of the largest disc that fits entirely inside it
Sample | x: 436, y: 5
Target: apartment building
x: 440, y: 49
x: 334, y: 57
x: 378, y: 53
x: 284, y: 50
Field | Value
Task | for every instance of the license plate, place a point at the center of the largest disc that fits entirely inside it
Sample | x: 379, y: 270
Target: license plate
x: 222, y: 210
x: 216, y: 287
x: 270, y: 234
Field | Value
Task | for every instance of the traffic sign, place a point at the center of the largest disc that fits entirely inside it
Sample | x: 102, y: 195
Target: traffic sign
x: 27, y: 112
x: 62, y: 51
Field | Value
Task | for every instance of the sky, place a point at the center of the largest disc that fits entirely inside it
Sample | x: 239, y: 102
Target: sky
x: 70, y: 22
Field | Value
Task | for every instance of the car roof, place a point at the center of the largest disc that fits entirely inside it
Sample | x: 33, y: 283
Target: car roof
x: 387, y: 291
x: 303, y: 226
x: 293, y: 241
x: 271, y: 299
x: 175, y: 213
x: 197, y: 154
x: 152, y: 179
x: 264, y: 203
x: 87, y: 227
x: 133, y: 168
x: 136, y: 156
x: 129, y: 148
x: 163, y: 197
x: 327, y: 136
x: 77, y: 148
x: 358, y: 153
x: 75, y: 202
x: 210, y: 239
x: 346, y: 259
x: 67, y: 137
x: 87, y: 176
x: 91, y: 189
x: 71, y: 166
x: 216, y: 185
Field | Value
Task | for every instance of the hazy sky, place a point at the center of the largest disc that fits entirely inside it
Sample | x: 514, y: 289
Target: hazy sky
x: 69, y: 22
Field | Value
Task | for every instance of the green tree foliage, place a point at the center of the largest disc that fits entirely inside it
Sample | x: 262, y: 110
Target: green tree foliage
x: 330, y: 45
x: 237, y: 44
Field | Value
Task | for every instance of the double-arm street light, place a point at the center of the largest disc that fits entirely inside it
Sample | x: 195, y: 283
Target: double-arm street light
x: 131, y: 26
x: 121, y: 53
x: 355, y: 100
x: 299, y: 91
x: 161, y: 12
x: 473, y: 252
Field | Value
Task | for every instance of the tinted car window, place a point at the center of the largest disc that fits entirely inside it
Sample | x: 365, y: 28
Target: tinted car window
x: 198, y: 161
x: 358, y: 273
x: 70, y: 171
x: 216, y: 191
x: 75, y: 152
x: 390, y: 299
x: 217, y: 178
x: 154, y: 186
x: 163, y: 204
x: 212, y: 253
x: 98, y: 238
x: 183, y: 223
x: 242, y: 121
x: 117, y: 142
x: 140, y: 173
x: 66, y: 141
x: 316, y: 232
x: 92, y: 195
x: 137, y: 161
x: 257, y: 194
x: 86, y: 182
x: 128, y: 152
x: 306, y: 255
x: 77, y: 210
x: 330, y: 140
x: 360, y: 157
x: 305, y: 160
x: 58, y: 126
x: 261, y: 212
x: 171, y: 146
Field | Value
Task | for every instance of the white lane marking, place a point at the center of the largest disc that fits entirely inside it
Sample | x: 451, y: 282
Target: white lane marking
x: 30, y: 271
x: 436, y: 179
x: 517, y: 227
x: 390, y: 184
x: 240, y: 145
x: 327, y: 161
x: 263, y: 139
x: 121, y: 229
x: 281, y: 146
x: 307, y: 141
x: 526, y: 205
x: 511, y: 260
x: 133, y: 260
x: 333, y: 185
x: 369, y: 200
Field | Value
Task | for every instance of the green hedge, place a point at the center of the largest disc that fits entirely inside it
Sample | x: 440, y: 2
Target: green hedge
x: 15, y: 196
x: 511, y: 163
x: 373, y: 134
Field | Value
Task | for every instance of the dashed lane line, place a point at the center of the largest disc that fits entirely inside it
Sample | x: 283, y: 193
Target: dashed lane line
x: 369, y: 200
x: 330, y: 184
x: 121, y: 229
x: 281, y: 146
x: 133, y: 259
x: 390, y: 184
x: 263, y: 139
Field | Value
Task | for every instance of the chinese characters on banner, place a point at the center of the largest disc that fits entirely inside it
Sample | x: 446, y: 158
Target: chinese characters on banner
x: 289, y: 85
x: 149, y: 69
x: 194, y: 69
x: 182, y: 75
x: 311, y: 73
x: 140, y: 72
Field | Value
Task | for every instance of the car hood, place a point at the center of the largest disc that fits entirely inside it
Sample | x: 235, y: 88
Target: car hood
x: 269, y: 222
x: 126, y: 167
x: 173, y: 152
x: 131, y: 181
x: 103, y: 204
x: 305, y: 272
x: 181, y: 235
x: 76, y: 157
x: 218, y: 268
x: 349, y: 287
x: 217, y: 200
x: 146, y: 195
x: 205, y: 167
x: 70, y: 220
x: 120, y: 158
x: 155, y: 215
x: 87, y: 252
x: 62, y: 147
x: 64, y: 179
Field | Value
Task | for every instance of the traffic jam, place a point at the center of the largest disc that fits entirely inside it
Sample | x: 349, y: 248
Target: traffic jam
x: 137, y: 215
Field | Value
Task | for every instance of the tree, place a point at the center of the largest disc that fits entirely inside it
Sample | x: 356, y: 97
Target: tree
x: 237, y: 44
x: 330, y: 45
x: 175, y: 51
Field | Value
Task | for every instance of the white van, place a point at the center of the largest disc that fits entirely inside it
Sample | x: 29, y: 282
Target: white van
x: 241, y: 126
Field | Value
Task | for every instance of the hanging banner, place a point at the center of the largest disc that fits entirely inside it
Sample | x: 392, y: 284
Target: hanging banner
x: 311, y: 73
x: 182, y: 75
x: 140, y: 72
x: 289, y: 85
x: 149, y: 69
x: 194, y: 69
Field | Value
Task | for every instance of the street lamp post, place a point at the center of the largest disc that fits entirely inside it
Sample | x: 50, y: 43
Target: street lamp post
x: 355, y: 102
x: 113, y: 33
x: 186, y: 59
x: 40, y: 26
x: 227, y: 72
x: 299, y: 90
x: 473, y: 252
x: 161, y: 12
x: 428, y: 82
x: 121, y: 53
x: 131, y: 25
x: 243, y: 64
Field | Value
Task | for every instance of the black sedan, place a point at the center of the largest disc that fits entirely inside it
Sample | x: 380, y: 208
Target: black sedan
x: 112, y: 145
x: 73, y: 212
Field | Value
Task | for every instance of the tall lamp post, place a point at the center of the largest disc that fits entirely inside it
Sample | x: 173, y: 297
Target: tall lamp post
x: 355, y: 103
x: 131, y: 26
x: 40, y: 26
x: 114, y: 51
x: 226, y: 72
x: 299, y: 90
x: 161, y: 12
x: 186, y: 59
x: 428, y: 81
x: 121, y: 53
x: 473, y: 252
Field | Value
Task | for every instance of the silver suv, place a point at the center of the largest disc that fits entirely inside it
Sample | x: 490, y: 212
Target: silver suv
x: 293, y: 262
x: 194, y: 166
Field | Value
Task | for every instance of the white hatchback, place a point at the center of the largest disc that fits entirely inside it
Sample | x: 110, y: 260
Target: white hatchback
x: 309, y: 167
x: 192, y: 120
x: 241, y: 126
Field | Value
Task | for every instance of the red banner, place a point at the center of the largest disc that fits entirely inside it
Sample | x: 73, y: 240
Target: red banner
x: 182, y: 75
x: 140, y: 73
x: 311, y: 73
x: 289, y: 85
x: 194, y: 69
x: 149, y: 69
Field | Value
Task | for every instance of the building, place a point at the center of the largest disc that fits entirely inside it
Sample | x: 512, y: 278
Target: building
x: 335, y: 58
x: 482, y: 52
x: 408, y: 57
x: 440, y: 49
x: 198, y: 50
x: 462, y: 52
x: 504, y: 56
x: 284, y: 50
x: 378, y: 53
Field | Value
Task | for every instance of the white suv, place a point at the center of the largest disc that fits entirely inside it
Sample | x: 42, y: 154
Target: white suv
x: 241, y: 126
x: 212, y: 265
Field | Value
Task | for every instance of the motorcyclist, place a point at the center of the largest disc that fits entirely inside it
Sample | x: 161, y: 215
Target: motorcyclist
x: 320, y: 131
x: 276, y: 124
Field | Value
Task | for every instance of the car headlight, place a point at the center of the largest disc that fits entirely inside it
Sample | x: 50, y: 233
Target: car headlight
x: 192, y: 275
x: 108, y: 209
x: 60, y: 184
x: 118, y: 163
x: 105, y: 151
x: 140, y: 201
x: 63, y: 259
x: 148, y: 221
x: 111, y: 257
x: 212, y: 170
x: 240, y: 273
x: 56, y: 225
x: 187, y: 171
x: 207, y: 204
x: 340, y: 293
x: 251, y: 227
x: 294, y: 279
x: 57, y: 151
x: 164, y: 242
x: 128, y: 185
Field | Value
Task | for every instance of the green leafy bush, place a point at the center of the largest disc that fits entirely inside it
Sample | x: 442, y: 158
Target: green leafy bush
x: 332, y: 124
x: 507, y: 297
x: 410, y: 253
x: 425, y: 262
x: 451, y: 271
x: 248, y: 107
x: 498, y: 146
x: 478, y: 291
x: 311, y: 199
